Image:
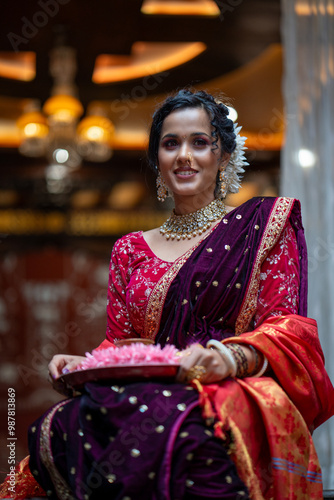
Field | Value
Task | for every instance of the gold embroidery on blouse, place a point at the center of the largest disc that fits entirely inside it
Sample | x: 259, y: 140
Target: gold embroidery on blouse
x: 274, y: 227
x: 156, y: 301
x: 61, y: 487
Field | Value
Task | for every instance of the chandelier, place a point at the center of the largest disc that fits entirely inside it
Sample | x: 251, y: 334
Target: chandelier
x: 55, y: 131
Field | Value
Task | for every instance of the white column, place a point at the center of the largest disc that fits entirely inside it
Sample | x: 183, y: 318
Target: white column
x: 307, y: 169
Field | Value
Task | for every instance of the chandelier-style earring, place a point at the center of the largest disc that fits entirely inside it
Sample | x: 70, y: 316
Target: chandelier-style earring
x: 162, y: 190
x: 222, y: 182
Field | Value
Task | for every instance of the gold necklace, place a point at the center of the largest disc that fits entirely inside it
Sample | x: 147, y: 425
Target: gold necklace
x: 180, y: 227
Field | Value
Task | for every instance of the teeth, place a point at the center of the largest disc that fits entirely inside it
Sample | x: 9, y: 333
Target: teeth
x: 185, y: 173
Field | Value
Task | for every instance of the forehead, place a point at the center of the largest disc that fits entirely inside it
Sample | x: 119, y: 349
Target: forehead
x: 187, y: 120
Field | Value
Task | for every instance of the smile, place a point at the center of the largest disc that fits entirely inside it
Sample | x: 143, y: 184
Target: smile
x: 185, y: 173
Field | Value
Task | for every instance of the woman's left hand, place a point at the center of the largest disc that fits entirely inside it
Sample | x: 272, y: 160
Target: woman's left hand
x: 206, y: 365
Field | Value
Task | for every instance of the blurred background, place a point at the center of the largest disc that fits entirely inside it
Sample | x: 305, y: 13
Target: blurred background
x: 79, y: 81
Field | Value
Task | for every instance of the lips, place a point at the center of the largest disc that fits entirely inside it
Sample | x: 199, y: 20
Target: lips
x: 185, y: 172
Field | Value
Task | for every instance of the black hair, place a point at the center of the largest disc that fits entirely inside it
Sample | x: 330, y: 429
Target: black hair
x: 223, y: 128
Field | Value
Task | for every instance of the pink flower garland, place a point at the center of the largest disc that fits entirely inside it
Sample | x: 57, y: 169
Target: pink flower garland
x: 133, y: 354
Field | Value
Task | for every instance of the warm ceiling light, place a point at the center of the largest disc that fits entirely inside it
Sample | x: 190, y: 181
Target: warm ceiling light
x: 135, y: 140
x: 146, y: 59
x: 303, y: 8
x: 56, y: 134
x: 18, y: 66
x: 63, y: 108
x: 96, y: 128
x: 34, y: 130
x: 95, y: 134
x: 181, y: 7
x: 33, y: 123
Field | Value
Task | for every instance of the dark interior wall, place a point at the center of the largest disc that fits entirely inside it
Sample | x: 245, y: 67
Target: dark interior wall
x: 52, y: 300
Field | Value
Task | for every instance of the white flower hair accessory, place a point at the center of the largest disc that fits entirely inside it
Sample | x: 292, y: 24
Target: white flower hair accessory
x: 235, y: 167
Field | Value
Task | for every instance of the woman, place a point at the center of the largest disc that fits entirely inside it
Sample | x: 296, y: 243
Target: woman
x: 227, y: 286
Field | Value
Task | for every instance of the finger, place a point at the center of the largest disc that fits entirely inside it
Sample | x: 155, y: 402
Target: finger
x: 54, y: 370
x: 208, y: 359
x: 56, y: 365
x: 195, y: 355
x: 187, y: 365
x: 72, y: 365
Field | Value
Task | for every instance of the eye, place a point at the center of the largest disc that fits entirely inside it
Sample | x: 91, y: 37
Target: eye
x: 170, y: 143
x: 199, y: 142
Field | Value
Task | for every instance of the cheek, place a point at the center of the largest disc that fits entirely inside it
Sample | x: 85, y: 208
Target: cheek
x: 161, y: 155
x: 208, y: 157
x: 165, y: 158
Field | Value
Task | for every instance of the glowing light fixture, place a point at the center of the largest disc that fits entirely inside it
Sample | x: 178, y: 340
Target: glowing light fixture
x: 306, y: 158
x: 56, y: 133
x: 181, y: 7
x: 18, y: 66
x: 303, y: 8
x: 95, y: 134
x: 34, y: 128
x: 146, y: 59
x: 61, y: 155
x: 63, y: 108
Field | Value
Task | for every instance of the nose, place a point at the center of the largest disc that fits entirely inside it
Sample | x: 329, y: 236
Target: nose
x: 184, y: 155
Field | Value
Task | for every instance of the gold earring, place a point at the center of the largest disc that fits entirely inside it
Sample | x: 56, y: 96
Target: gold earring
x: 162, y: 191
x: 222, y: 182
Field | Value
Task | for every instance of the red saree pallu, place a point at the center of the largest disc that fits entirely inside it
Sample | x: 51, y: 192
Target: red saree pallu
x: 271, y: 418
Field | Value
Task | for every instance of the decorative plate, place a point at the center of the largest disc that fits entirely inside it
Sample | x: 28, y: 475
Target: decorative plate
x: 71, y: 383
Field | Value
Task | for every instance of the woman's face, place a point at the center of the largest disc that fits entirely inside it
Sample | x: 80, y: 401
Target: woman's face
x: 188, y: 161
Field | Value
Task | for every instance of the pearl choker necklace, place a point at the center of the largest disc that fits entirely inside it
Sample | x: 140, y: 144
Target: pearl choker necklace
x: 180, y: 227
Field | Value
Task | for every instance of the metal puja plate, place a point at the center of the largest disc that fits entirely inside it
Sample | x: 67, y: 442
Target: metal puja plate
x: 72, y: 382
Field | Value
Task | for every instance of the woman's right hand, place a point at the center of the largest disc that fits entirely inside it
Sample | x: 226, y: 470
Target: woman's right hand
x: 63, y: 363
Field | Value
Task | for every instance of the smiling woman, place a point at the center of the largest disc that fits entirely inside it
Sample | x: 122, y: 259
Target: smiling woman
x: 230, y: 293
x: 187, y: 160
x: 198, y: 156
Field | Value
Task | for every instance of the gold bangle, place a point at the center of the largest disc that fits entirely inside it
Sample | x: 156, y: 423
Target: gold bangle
x: 257, y: 360
x: 225, y: 353
x: 240, y: 358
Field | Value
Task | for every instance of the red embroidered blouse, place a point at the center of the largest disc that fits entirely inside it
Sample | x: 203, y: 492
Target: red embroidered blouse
x: 135, y: 269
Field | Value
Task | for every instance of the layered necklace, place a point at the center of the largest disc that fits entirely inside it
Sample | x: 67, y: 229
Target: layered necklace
x: 181, y: 227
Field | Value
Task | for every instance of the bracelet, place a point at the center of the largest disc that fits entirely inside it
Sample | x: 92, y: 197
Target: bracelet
x: 263, y: 369
x: 240, y: 358
x: 257, y: 359
x: 225, y: 353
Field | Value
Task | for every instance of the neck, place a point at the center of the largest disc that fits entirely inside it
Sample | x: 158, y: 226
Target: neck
x: 192, y: 224
x: 190, y: 204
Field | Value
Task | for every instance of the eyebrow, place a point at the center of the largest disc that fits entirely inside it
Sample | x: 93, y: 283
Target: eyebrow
x: 194, y: 134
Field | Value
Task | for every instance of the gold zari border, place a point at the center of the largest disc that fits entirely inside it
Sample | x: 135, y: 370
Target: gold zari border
x: 157, y: 298
x: 61, y: 487
x: 276, y: 223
